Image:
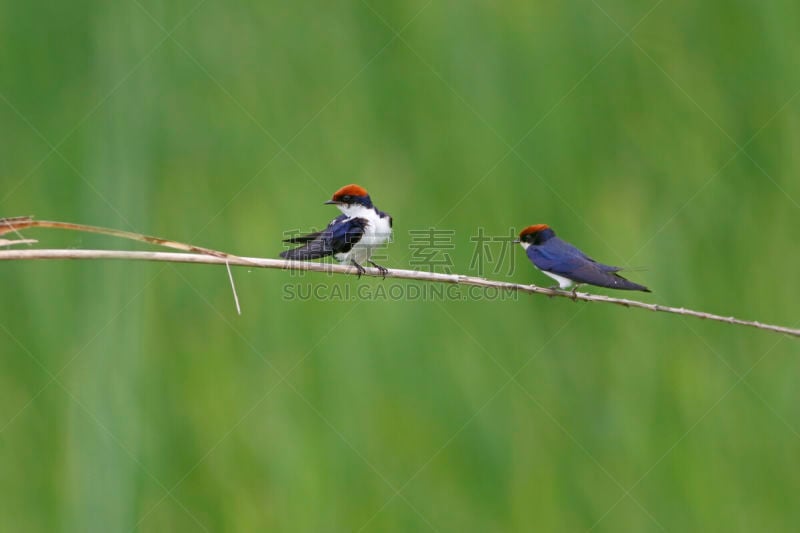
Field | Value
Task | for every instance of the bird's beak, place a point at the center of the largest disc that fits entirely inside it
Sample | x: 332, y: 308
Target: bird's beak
x: 515, y: 241
x: 332, y: 202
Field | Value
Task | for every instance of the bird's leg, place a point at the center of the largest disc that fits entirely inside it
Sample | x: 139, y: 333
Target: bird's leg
x: 360, y: 269
x: 553, y: 288
x: 382, y: 270
x: 575, y: 292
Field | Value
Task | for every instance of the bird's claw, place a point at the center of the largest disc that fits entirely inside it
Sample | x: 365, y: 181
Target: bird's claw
x: 381, y: 269
x: 360, y: 270
x: 575, y: 293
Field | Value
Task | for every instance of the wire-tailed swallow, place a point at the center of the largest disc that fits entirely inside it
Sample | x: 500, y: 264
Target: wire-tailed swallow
x: 566, y: 264
x: 352, y: 236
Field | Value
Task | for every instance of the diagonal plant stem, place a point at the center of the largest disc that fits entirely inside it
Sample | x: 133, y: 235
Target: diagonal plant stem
x: 16, y: 224
x: 213, y: 257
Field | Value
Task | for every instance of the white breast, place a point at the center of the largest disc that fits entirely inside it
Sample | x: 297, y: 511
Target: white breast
x: 563, y: 283
x: 377, y: 232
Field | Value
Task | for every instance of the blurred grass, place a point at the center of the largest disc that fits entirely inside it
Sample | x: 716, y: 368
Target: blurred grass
x: 133, y: 397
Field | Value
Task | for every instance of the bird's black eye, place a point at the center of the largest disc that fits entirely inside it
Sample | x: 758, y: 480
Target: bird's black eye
x: 347, y: 198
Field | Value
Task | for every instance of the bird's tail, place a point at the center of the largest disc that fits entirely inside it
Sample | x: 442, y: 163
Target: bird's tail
x: 627, y: 285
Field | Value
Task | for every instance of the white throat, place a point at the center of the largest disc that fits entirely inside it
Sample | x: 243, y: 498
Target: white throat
x: 525, y: 245
x: 355, y: 210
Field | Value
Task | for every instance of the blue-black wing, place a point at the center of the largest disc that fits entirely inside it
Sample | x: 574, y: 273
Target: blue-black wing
x: 579, y: 268
x: 315, y: 235
x: 303, y: 238
x: 339, y: 237
x: 567, y: 248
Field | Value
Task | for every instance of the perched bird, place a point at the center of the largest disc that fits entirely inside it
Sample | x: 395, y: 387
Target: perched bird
x: 349, y: 238
x: 568, y: 265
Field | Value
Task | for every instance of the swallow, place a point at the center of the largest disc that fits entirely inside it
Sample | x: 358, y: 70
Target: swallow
x: 567, y: 265
x: 351, y: 237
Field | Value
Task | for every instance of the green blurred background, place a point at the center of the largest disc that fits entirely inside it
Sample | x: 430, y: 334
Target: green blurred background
x: 133, y: 398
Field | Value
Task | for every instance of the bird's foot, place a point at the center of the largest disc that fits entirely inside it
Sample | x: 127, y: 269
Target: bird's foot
x: 575, y: 293
x: 360, y: 270
x: 381, y: 269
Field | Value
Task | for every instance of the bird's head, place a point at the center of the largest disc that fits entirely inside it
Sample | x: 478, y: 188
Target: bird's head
x: 350, y: 197
x: 536, y: 234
